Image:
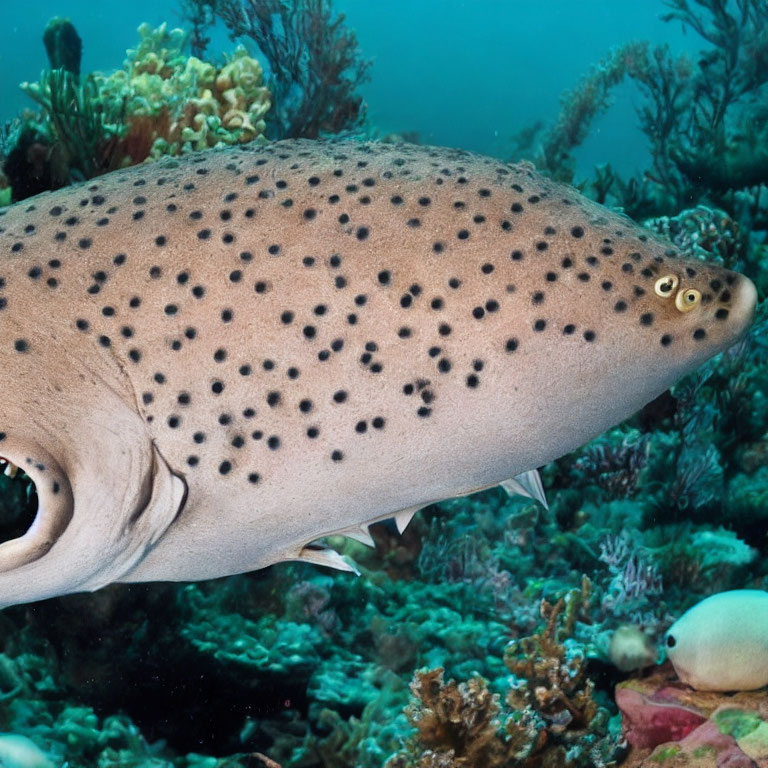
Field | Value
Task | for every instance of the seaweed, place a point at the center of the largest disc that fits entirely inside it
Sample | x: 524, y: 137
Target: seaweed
x: 316, y: 66
x: 706, y: 121
x: 200, y: 17
x: 578, y: 109
x: 85, y: 138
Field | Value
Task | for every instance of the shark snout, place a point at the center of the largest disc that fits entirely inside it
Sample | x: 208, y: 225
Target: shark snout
x: 744, y: 304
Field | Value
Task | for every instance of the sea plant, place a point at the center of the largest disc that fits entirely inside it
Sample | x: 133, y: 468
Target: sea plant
x: 705, y: 121
x: 314, y: 59
x: 84, y: 135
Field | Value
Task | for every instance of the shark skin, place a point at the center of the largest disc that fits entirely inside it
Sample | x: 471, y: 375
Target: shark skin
x: 210, y: 362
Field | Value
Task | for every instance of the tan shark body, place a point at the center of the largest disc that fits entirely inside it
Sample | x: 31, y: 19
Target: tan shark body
x: 208, y: 363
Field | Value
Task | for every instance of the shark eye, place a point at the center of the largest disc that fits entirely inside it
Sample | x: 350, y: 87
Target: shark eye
x: 671, y: 642
x: 686, y: 300
x: 666, y: 285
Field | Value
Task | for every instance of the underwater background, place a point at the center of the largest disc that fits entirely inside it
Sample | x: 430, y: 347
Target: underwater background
x: 494, y: 631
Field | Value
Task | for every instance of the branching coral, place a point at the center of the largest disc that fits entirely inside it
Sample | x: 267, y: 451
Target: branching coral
x: 635, y: 580
x: 467, y: 560
x: 615, y: 465
x: 704, y: 233
x: 314, y: 61
x: 458, y: 724
x: 550, y: 719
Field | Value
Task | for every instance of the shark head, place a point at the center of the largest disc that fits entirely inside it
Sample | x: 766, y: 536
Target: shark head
x: 69, y: 426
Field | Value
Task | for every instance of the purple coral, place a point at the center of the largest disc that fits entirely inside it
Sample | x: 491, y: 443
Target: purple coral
x: 634, y: 578
x: 615, y: 467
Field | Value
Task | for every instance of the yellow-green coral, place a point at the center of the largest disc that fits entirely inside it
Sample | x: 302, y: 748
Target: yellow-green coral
x: 176, y: 104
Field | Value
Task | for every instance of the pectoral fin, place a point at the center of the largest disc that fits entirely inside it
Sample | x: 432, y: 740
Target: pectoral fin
x: 527, y: 484
x: 327, y: 557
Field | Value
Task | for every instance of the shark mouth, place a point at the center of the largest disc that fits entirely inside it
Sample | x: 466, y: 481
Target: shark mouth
x: 36, y: 503
x: 18, y: 500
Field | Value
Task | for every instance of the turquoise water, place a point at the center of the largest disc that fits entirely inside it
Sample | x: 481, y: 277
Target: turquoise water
x: 464, y: 74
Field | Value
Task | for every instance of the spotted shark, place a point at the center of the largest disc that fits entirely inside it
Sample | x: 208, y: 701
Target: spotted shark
x: 211, y: 362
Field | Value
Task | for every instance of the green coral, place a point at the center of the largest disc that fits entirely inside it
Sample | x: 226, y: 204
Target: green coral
x: 186, y: 104
x: 268, y: 644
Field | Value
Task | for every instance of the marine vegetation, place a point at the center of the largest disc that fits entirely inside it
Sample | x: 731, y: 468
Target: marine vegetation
x: 706, y: 123
x: 314, y: 60
x: 162, y: 102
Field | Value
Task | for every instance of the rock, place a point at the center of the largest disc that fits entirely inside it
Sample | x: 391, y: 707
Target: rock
x: 669, y: 725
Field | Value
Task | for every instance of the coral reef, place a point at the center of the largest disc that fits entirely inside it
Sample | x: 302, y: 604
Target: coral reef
x: 551, y: 717
x: 162, y: 102
x: 175, y: 104
x: 295, y: 668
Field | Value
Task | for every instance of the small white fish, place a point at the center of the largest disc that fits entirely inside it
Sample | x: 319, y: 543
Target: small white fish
x: 721, y: 644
